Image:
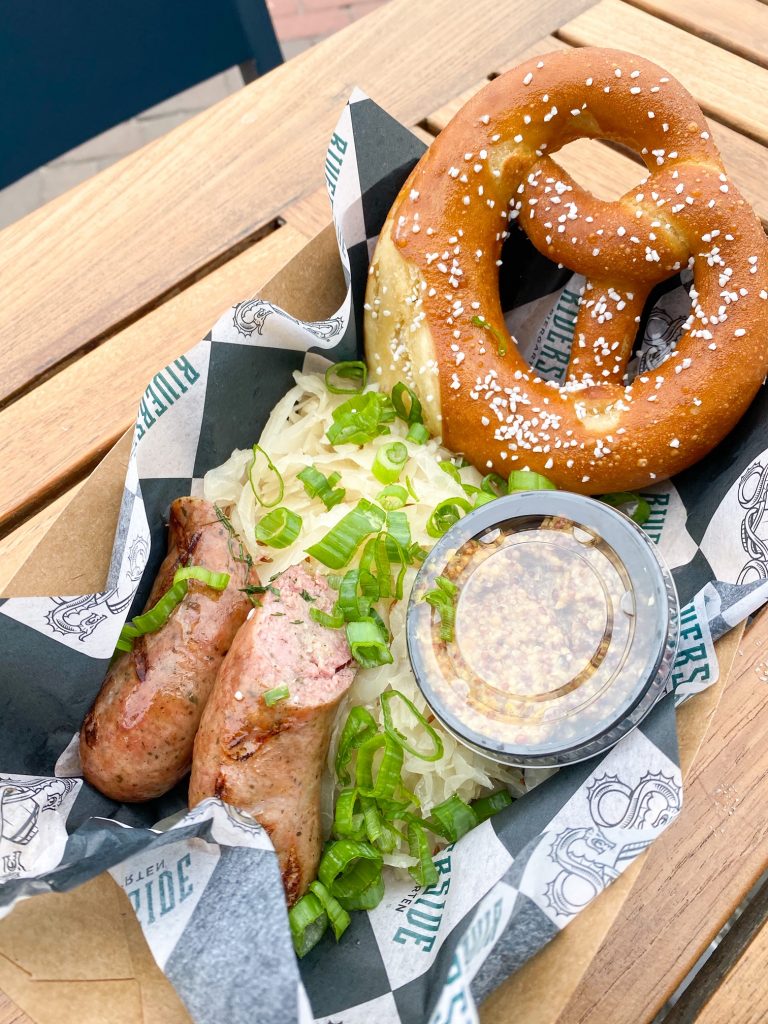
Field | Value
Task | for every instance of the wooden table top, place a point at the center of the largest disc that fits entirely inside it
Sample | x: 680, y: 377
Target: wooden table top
x: 129, y: 269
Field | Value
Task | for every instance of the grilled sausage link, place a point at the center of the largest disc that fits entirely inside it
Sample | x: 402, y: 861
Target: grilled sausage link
x: 136, y: 741
x: 269, y: 760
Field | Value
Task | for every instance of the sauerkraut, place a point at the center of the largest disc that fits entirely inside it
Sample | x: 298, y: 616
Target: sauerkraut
x: 294, y: 437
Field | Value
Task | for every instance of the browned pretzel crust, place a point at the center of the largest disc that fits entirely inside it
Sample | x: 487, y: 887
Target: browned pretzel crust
x: 435, y: 269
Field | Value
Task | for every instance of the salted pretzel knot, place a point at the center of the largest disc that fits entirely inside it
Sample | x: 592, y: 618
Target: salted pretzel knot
x: 433, y: 313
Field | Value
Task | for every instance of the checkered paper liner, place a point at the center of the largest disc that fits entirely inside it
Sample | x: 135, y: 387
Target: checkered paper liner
x: 207, y: 889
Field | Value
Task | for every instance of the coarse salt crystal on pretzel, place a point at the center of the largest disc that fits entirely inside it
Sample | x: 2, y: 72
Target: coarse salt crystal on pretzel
x: 433, y: 313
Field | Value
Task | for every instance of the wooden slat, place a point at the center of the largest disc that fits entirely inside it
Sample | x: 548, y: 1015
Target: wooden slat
x: 727, y: 86
x: 700, y: 869
x: 10, y: 1012
x: 734, y: 968
x: 106, y: 251
x: 65, y: 425
x: 18, y: 545
x: 737, y: 25
x: 310, y: 214
x: 742, y: 997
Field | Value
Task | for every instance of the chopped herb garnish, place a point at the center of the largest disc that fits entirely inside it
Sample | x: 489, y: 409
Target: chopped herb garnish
x: 501, y: 341
x: 297, y: 622
x: 307, y: 596
x: 242, y: 555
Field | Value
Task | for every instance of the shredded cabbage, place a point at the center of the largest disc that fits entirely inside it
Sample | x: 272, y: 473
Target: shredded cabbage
x: 294, y: 437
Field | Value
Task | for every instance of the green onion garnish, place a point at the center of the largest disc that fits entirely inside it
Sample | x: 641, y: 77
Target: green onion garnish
x: 369, y: 897
x: 443, y: 599
x: 368, y: 643
x: 487, y: 806
x: 502, y: 343
x: 393, y: 496
x: 389, y: 462
x: 157, y: 616
x: 452, y: 819
x: 278, y: 528
x: 308, y: 921
x: 338, y: 546
x: 353, y: 370
x: 360, y: 419
x: 348, y: 868
x: 425, y: 872
x: 359, y: 726
x: 494, y: 485
x: 348, y: 822
x: 633, y: 505
x: 452, y: 470
x: 445, y: 514
x: 387, y: 699
x: 337, y: 916
x: 417, y: 433
x: 358, y: 591
x: 388, y: 775
x: 527, y: 480
x: 331, y: 620
x: 241, y: 555
x: 317, y: 485
x: 273, y: 469
x: 412, y: 414
x: 277, y: 693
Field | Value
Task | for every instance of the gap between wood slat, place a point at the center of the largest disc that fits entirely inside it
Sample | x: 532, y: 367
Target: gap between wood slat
x: 201, y: 272
x: 740, y: 26
x: 56, y: 433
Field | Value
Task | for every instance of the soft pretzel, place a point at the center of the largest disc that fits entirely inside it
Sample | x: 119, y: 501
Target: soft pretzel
x: 433, y: 314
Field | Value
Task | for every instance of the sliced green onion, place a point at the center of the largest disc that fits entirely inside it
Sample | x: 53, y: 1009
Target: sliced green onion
x: 527, y: 480
x: 443, y: 599
x: 417, y: 433
x: 359, y: 726
x: 215, y: 580
x: 425, y: 872
x: 357, y: 592
x: 494, y: 485
x: 241, y: 555
x: 411, y: 490
x: 368, y: 644
x: 338, y: 546
x: 348, y: 822
x: 479, y: 497
x: 157, y: 616
x: 452, y: 470
x: 387, y: 777
x: 391, y: 730
x: 276, y: 694
x: 368, y: 898
x: 308, y: 921
x: 384, y: 836
x: 332, y: 620
x: 502, y: 343
x: 452, y: 819
x: 353, y: 370
x: 348, y: 868
x: 487, y: 806
x: 393, y: 496
x: 278, y: 528
x: 273, y: 469
x: 445, y: 514
x: 334, y: 580
x: 413, y: 413
x: 389, y: 462
x: 317, y: 485
x: 360, y: 419
x: 633, y: 505
x: 337, y: 916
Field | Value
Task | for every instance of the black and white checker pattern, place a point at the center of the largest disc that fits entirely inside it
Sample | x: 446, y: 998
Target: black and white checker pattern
x: 207, y: 891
